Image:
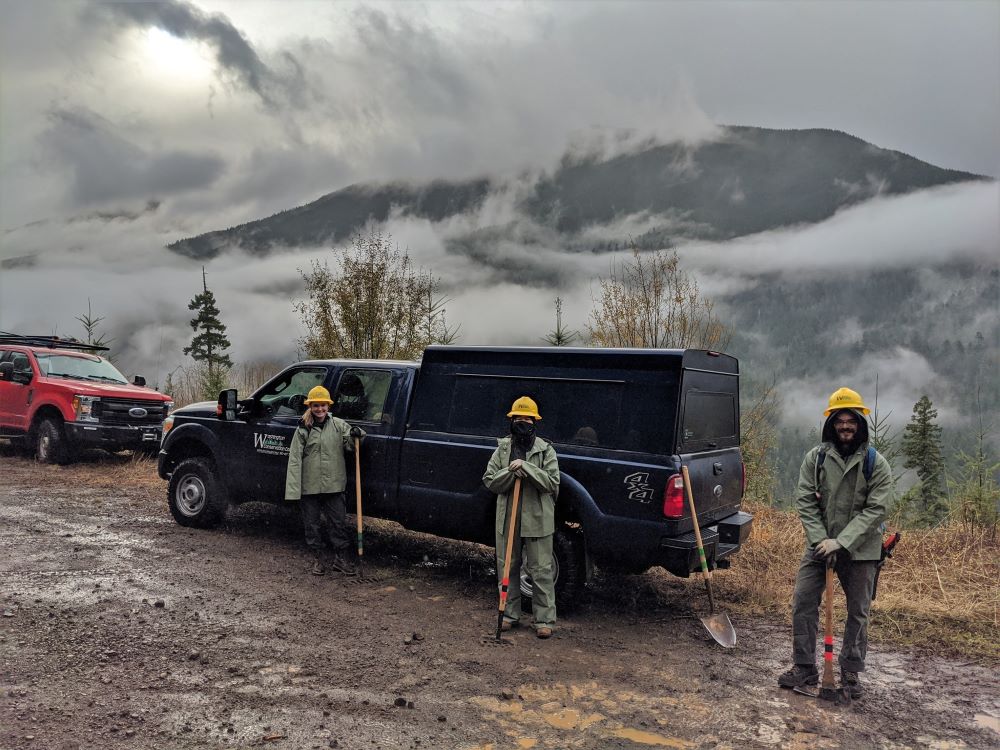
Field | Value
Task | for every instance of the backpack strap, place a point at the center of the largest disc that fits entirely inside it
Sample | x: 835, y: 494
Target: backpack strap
x: 820, y: 458
x: 869, y: 466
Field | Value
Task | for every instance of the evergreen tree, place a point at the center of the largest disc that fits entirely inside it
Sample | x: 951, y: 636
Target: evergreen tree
x: 90, y: 325
x: 921, y: 447
x: 882, y: 438
x: 561, y: 336
x: 209, y: 343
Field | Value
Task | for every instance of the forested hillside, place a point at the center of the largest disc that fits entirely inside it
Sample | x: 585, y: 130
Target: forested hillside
x: 949, y: 317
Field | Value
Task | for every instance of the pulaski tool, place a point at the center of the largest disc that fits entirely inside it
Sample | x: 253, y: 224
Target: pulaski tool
x: 504, y: 581
x: 828, y: 690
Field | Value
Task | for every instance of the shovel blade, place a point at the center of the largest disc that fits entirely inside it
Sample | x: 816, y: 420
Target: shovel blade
x: 721, y: 629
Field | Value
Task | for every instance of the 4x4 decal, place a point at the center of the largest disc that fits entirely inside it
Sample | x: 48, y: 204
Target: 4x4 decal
x: 638, y: 487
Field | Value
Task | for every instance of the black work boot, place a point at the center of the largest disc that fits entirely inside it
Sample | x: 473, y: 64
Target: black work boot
x: 341, y: 562
x: 799, y: 675
x: 851, y: 683
x: 317, y: 566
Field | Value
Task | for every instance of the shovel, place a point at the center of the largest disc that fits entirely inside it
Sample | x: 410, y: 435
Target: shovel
x: 505, y: 580
x: 828, y: 690
x: 357, y: 492
x: 717, y: 623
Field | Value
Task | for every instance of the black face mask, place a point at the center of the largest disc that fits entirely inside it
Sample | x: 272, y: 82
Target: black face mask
x: 522, y: 429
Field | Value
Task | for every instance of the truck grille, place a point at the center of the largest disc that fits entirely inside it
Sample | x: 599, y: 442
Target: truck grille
x: 116, y: 411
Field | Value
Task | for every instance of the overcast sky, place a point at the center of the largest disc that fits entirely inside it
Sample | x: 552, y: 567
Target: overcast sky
x: 126, y: 126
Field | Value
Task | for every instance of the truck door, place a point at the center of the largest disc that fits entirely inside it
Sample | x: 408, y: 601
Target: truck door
x: 15, y: 394
x: 373, y: 398
x: 262, y: 434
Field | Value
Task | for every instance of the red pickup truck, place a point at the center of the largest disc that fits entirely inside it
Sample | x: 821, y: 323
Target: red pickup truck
x: 57, y: 396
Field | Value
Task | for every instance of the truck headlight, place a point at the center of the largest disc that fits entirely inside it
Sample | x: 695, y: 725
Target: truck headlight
x: 84, y: 408
x: 168, y: 423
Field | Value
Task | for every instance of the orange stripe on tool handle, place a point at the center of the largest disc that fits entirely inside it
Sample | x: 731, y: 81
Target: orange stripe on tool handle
x: 827, y: 681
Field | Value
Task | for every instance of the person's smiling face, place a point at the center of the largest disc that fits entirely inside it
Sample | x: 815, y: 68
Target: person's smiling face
x: 319, y: 411
x: 845, y: 424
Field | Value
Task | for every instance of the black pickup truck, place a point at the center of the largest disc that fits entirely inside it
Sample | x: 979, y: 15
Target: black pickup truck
x: 623, y: 421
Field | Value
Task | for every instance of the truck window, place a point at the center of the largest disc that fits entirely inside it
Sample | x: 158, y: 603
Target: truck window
x: 584, y: 412
x: 21, y: 362
x: 285, y: 395
x: 361, y: 395
x: 710, y: 420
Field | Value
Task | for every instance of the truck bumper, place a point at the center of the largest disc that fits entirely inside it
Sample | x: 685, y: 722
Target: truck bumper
x: 679, y: 555
x: 638, y: 546
x: 113, y: 437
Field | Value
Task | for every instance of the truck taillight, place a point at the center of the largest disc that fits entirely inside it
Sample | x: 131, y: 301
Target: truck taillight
x: 743, y: 479
x: 673, y: 497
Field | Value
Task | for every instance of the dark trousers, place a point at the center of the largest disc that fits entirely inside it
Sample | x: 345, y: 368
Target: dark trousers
x: 856, y: 579
x: 328, y: 511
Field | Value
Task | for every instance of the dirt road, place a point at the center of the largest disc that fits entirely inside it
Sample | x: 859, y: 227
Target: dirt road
x: 121, y: 629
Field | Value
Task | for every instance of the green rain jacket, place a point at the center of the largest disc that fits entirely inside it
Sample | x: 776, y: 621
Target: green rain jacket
x: 316, y: 459
x: 848, y: 509
x: 538, y: 489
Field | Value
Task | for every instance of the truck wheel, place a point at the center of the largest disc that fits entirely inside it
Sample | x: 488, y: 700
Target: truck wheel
x: 51, y: 446
x: 194, y: 494
x: 570, y: 570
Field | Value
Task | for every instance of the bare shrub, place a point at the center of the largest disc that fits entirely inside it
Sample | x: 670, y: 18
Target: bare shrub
x: 651, y: 302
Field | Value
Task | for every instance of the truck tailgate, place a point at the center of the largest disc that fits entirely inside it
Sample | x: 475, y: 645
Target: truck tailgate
x: 716, y: 483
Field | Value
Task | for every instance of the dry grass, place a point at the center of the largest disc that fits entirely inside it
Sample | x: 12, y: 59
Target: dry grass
x: 941, y: 590
x: 95, y: 469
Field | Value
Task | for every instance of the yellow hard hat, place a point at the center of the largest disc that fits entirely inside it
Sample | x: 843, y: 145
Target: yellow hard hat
x: 845, y: 398
x: 524, y: 407
x: 319, y: 395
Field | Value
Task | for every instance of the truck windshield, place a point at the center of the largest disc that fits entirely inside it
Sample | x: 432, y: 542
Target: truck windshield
x: 87, y: 367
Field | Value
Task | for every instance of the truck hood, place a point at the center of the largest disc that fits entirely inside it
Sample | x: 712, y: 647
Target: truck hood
x: 200, y: 409
x: 110, y: 390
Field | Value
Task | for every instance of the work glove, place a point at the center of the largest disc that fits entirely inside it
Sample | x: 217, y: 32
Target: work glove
x: 357, y: 432
x: 517, y: 469
x: 827, y: 548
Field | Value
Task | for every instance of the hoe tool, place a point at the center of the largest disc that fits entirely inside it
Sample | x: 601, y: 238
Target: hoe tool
x: 357, y: 492
x: 828, y: 690
x: 717, y: 624
x: 504, y: 581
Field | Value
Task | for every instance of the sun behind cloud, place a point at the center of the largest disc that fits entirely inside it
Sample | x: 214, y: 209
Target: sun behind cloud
x: 173, y: 60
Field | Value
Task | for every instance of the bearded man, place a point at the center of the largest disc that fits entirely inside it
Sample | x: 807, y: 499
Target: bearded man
x: 845, y: 488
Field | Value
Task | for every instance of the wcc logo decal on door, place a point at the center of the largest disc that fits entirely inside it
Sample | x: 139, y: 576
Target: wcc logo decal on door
x: 271, y: 445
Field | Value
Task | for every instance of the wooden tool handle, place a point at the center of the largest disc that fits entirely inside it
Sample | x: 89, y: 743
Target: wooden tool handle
x: 357, y: 493
x: 510, y: 544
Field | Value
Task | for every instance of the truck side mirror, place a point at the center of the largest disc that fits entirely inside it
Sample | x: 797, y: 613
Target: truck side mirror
x: 226, y: 409
x: 6, y: 370
x: 139, y: 380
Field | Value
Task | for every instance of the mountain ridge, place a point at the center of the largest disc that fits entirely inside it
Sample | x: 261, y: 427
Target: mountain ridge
x: 750, y: 180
